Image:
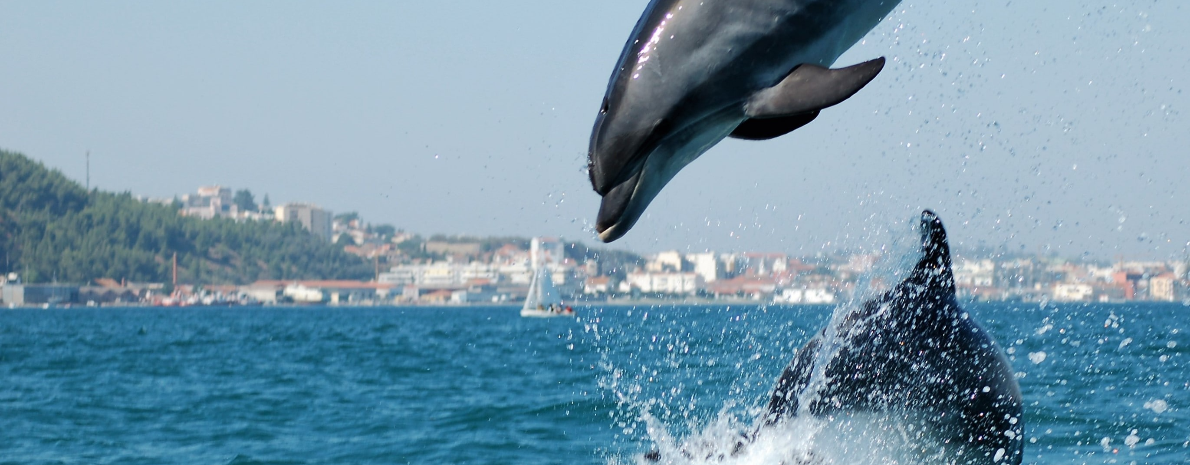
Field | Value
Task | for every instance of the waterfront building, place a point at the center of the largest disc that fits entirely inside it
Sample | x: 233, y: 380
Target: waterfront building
x: 17, y: 294
x: 333, y: 292
x: 662, y: 283
x: 669, y: 261
x: 1073, y: 292
x: 812, y: 296
x: 765, y: 264
x: 974, y: 273
x: 706, y: 265
x: 750, y: 287
x: 597, y: 285
x: 447, y: 274
x: 1162, y: 287
x: 1016, y: 276
x: 818, y: 296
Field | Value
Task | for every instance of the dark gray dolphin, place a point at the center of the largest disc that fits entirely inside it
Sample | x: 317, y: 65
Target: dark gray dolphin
x: 694, y: 72
x: 915, y: 354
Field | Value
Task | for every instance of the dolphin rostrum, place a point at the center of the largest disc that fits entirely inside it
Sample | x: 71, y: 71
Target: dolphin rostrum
x: 694, y: 72
x: 914, y: 354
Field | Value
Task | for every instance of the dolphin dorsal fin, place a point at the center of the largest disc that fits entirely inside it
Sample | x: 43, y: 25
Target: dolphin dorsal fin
x: 934, y: 268
x: 810, y: 88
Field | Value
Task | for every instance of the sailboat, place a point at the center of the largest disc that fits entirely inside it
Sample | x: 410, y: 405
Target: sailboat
x: 543, y: 300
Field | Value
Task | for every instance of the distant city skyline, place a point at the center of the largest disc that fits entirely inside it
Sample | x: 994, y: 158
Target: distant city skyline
x: 1040, y: 128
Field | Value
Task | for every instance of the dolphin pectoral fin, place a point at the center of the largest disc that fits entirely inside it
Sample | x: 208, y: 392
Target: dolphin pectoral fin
x: 810, y: 88
x: 769, y: 128
x: 795, y: 378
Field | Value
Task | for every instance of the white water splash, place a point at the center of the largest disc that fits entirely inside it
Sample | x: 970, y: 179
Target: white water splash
x: 1157, y: 406
x: 1132, y: 439
x: 860, y: 439
x: 843, y: 438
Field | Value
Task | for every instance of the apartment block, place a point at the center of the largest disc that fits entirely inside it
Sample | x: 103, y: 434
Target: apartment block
x: 310, y: 216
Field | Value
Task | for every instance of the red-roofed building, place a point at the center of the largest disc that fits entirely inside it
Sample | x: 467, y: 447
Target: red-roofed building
x: 597, y: 285
x: 743, y: 286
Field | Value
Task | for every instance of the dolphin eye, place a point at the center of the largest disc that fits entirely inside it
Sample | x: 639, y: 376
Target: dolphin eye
x: 603, y: 108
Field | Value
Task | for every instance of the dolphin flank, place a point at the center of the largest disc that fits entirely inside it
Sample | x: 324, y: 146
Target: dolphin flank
x: 694, y: 72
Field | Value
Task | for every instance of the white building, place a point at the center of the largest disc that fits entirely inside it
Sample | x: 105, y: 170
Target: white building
x: 804, y: 296
x: 301, y: 294
x: 522, y: 274
x: 766, y: 264
x: 974, y: 273
x: 705, y: 265
x: 663, y: 283
x: 446, y: 274
x: 597, y: 285
x: 1073, y: 292
x: 314, y: 219
x: 665, y: 261
x: 790, y: 296
x: 819, y: 296
x: 440, y: 274
x: 1162, y: 287
x: 1103, y: 274
x: 209, y: 202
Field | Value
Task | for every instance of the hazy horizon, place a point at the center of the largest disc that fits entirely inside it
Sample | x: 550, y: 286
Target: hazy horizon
x: 1049, y: 128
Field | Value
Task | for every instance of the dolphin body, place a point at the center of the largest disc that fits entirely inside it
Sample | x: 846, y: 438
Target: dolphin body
x: 915, y: 355
x: 694, y: 72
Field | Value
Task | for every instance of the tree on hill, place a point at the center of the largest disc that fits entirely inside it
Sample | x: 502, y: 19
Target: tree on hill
x: 347, y: 217
x: 344, y: 239
x: 51, y: 227
x: 414, y: 247
x: 385, y: 231
x: 244, y: 200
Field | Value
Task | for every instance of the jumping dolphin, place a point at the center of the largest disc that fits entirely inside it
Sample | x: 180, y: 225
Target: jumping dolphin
x: 915, y: 354
x: 694, y: 72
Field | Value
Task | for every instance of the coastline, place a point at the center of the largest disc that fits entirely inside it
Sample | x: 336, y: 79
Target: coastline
x: 617, y: 303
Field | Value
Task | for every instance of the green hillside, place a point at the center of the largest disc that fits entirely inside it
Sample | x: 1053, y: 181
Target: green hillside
x: 52, y: 228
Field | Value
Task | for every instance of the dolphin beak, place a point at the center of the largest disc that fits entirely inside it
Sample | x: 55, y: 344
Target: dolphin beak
x: 614, y: 219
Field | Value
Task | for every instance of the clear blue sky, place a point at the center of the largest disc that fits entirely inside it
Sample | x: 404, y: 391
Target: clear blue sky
x: 1040, y: 126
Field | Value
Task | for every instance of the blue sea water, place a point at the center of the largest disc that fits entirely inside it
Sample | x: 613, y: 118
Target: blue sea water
x: 1102, y: 383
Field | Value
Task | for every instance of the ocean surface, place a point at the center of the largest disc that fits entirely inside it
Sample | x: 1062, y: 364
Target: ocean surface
x: 314, y: 385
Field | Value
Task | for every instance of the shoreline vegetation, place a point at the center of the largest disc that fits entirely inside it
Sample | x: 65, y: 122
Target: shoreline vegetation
x: 54, y: 230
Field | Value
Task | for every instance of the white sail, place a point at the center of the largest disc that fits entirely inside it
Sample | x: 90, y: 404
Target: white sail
x: 543, y: 298
x: 533, y: 299
x: 546, y: 290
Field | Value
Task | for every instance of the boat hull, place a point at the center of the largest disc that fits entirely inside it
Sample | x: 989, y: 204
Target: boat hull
x: 534, y: 313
